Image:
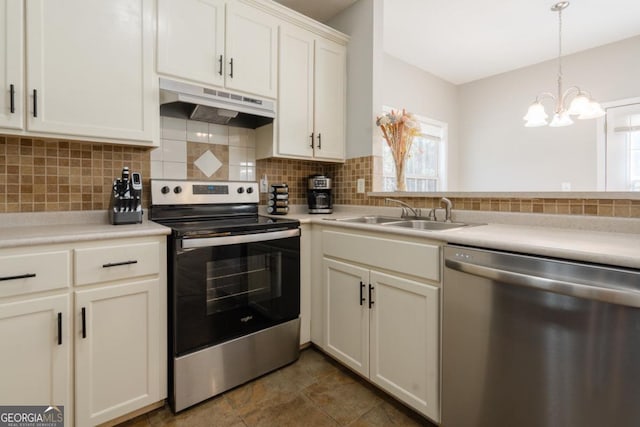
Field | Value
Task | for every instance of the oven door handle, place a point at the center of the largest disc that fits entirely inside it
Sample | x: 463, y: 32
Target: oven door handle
x: 240, y: 239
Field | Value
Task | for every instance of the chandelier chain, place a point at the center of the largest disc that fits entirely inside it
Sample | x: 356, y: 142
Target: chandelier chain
x: 559, y: 100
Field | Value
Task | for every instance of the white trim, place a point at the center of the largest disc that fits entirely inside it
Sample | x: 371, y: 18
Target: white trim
x: 601, y: 140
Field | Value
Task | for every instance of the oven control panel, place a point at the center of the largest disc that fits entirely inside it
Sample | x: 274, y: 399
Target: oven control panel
x: 179, y: 192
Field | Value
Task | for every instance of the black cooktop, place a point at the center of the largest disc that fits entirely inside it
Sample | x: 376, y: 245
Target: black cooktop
x: 228, y: 225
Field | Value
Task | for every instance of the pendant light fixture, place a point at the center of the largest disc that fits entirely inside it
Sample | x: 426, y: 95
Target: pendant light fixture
x: 581, y: 104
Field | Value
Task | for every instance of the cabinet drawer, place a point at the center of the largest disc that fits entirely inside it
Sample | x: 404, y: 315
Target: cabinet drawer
x: 416, y: 259
x: 37, y: 272
x: 106, y: 263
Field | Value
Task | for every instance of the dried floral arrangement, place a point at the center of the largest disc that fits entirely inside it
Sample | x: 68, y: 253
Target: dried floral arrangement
x: 398, y: 129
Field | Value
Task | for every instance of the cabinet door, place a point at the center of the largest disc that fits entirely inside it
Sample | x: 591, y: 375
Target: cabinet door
x: 295, y: 92
x: 405, y: 341
x: 251, y: 47
x: 329, y: 104
x: 347, y: 314
x: 11, y: 72
x: 34, y: 363
x: 191, y: 40
x: 117, y: 357
x: 89, y: 68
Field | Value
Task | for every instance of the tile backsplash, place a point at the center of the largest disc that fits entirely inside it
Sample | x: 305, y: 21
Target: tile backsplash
x: 38, y: 174
x: 196, y: 150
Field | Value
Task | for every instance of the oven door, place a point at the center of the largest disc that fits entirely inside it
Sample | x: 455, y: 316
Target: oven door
x: 227, y: 287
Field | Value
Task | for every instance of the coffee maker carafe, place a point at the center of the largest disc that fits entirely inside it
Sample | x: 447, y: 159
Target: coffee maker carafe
x: 319, y: 194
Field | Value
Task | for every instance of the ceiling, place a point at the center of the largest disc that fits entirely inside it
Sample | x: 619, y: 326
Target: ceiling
x: 320, y: 10
x: 466, y: 40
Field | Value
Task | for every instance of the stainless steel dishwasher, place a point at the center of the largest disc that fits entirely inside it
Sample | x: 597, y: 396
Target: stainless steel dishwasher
x: 536, y: 342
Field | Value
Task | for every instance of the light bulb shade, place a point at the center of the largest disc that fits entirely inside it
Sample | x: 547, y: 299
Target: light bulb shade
x: 561, y: 119
x: 536, y: 116
x: 579, y: 105
x: 593, y: 111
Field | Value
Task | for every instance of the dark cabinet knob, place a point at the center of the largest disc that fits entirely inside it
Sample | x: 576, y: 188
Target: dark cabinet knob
x: 249, y: 190
x: 165, y: 190
x: 240, y: 190
x: 177, y: 189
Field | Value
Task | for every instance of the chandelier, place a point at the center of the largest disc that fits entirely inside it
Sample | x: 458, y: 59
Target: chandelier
x: 582, y: 105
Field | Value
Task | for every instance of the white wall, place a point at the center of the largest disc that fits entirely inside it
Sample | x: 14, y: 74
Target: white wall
x: 499, y: 154
x: 422, y: 93
x: 362, y: 22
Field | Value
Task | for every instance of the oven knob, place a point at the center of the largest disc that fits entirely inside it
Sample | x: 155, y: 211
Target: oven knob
x: 165, y: 190
x: 177, y: 189
x: 240, y: 190
x: 249, y: 190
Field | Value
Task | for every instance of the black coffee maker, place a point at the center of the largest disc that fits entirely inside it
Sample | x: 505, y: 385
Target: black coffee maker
x: 319, y: 194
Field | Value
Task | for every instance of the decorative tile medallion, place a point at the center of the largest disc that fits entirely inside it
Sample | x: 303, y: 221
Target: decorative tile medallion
x: 208, y: 163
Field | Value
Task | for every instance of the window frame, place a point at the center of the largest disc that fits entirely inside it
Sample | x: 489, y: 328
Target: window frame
x: 426, y: 124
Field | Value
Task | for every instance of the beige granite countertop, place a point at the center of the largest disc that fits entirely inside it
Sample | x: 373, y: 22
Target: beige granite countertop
x: 611, y: 241
x: 29, y: 229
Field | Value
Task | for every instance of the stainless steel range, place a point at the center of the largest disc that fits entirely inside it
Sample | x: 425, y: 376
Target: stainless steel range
x: 234, y: 287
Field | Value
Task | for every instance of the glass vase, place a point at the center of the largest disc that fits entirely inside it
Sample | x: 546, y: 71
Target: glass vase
x: 401, y: 184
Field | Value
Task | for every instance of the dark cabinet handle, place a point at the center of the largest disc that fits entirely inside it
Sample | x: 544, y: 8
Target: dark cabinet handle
x: 370, y: 299
x: 20, y: 276
x: 311, y: 139
x: 319, y: 141
x: 116, y: 264
x: 35, y: 103
x: 220, y: 65
x: 231, y: 71
x: 12, y: 99
x: 362, y: 285
x: 59, y: 328
x: 84, y: 323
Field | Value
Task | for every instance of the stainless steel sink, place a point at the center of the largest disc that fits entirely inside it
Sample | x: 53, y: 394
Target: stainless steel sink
x: 416, y: 224
x: 421, y: 224
x: 370, y: 219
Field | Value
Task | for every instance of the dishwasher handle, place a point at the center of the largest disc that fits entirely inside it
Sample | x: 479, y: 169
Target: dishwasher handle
x: 625, y: 297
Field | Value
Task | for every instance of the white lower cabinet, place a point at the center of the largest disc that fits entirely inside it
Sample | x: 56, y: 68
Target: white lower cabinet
x: 35, y: 361
x: 107, y: 331
x: 382, y: 325
x: 117, y: 357
x: 347, y: 314
x: 404, y: 341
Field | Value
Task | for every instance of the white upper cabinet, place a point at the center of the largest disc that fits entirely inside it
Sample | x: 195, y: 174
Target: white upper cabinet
x: 90, y: 69
x: 220, y: 43
x: 252, y: 50
x: 11, y: 71
x: 330, y: 100
x: 295, y: 102
x: 191, y: 40
x: 311, y: 98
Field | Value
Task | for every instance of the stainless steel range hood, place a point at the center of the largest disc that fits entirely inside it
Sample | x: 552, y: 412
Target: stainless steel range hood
x: 193, y: 102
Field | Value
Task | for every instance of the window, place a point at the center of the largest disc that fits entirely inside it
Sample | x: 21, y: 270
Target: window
x: 622, y: 146
x: 425, y: 167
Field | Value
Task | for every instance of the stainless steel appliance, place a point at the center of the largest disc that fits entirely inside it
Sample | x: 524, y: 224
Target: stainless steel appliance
x: 536, y: 342
x: 187, y: 101
x: 126, y: 199
x: 319, y: 194
x: 234, y: 287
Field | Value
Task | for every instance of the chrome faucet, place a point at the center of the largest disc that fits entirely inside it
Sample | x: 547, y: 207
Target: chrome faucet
x: 405, y: 207
x: 447, y: 208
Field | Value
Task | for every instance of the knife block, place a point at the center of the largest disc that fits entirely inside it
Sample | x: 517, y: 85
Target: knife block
x: 126, y: 199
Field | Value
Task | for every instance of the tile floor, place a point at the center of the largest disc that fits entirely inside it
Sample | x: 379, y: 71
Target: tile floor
x: 314, y: 391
